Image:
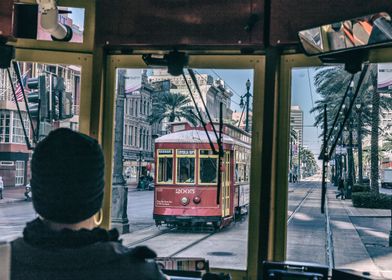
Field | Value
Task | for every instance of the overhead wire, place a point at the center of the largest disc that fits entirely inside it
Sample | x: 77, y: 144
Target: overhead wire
x: 311, y: 96
x: 201, y: 76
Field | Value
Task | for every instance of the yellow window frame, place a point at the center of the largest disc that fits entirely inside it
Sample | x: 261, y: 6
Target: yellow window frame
x: 164, y: 156
x: 199, y: 173
x: 185, y: 156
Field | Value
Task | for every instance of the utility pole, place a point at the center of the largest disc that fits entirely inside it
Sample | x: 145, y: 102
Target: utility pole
x: 247, y: 95
x: 119, y: 189
x: 325, y: 162
x: 139, y: 174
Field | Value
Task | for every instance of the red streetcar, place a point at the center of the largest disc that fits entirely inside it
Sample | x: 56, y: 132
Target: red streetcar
x: 186, y: 179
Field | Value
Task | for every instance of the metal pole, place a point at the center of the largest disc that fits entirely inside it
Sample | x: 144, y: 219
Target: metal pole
x: 140, y: 166
x: 299, y: 162
x: 291, y: 160
x: 119, y: 188
x: 325, y: 161
x: 390, y: 232
x: 247, y: 105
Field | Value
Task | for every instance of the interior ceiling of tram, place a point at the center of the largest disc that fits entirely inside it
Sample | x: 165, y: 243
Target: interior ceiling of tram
x: 235, y: 24
x: 205, y: 24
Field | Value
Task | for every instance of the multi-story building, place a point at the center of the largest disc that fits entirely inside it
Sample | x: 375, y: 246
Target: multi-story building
x: 14, y: 154
x: 297, y: 122
x: 212, y: 91
x: 138, y: 133
x: 138, y: 143
x: 239, y: 119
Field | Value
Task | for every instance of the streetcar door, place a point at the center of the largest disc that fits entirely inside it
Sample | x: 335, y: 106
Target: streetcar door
x: 226, y: 185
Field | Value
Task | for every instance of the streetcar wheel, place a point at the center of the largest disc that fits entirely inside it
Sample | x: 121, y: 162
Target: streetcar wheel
x: 217, y: 225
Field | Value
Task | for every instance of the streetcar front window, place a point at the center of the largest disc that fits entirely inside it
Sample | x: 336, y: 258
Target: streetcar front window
x: 165, y: 171
x: 185, y: 166
x: 208, y: 167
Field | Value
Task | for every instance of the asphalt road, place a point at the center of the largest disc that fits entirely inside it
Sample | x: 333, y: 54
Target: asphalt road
x: 13, y: 216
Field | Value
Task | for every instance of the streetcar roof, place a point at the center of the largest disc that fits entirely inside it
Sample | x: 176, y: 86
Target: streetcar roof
x: 192, y: 136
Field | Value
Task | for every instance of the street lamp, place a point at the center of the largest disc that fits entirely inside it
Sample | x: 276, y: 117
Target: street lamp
x: 358, y: 107
x: 140, y: 164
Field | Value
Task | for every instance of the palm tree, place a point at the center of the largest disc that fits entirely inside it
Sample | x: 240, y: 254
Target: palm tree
x: 387, y: 144
x: 172, y: 106
x: 293, y: 139
x: 309, y: 162
x: 331, y: 83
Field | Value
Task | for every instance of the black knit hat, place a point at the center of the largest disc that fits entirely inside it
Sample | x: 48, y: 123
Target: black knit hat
x: 67, y: 176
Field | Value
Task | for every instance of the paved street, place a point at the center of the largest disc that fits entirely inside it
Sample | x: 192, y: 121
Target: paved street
x: 343, y: 237
x: 354, y: 238
x: 15, y: 212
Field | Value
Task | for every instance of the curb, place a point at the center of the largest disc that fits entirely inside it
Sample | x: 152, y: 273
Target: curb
x: 14, y: 200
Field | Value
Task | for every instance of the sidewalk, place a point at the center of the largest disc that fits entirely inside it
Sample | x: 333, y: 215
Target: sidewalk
x: 360, y: 237
x: 13, y: 194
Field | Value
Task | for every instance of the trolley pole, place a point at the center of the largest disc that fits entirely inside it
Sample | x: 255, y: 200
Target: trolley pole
x: 325, y: 162
x: 247, y: 105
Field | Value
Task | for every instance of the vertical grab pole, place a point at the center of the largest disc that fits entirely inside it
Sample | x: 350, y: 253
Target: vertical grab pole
x: 325, y: 161
x: 221, y: 154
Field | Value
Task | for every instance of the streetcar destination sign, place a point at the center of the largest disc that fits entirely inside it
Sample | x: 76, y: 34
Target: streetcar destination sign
x: 185, y: 152
x: 165, y: 152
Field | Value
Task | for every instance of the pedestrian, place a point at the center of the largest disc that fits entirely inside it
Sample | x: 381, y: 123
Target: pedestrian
x: 341, y: 189
x: 27, y: 192
x: 1, y: 187
x: 65, y: 242
x: 294, y: 178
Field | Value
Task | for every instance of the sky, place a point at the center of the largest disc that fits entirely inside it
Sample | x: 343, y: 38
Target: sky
x: 303, y: 94
x: 235, y: 80
x: 77, y: 16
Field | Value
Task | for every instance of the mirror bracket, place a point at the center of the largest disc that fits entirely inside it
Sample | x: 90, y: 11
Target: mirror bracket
x: 352, y: 59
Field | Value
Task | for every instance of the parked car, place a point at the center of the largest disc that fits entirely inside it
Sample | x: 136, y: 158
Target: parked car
x: 386, y: 178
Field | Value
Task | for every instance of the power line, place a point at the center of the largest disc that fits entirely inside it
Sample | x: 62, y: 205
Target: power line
x: 231, y: 100
x: 213, y: 71
x: 311, y: 94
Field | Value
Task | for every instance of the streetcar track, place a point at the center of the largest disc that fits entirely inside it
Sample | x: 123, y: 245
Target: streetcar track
x: 299, y: 205
x: 330, y: 250
x: 162, y: 232
x: 191, y: 244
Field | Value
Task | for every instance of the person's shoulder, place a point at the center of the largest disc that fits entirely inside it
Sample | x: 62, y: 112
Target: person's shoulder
x: 141, y: 259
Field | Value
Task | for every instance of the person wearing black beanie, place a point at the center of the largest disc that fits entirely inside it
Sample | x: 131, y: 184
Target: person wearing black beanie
x: 64, y: 242
x: 67, y: 171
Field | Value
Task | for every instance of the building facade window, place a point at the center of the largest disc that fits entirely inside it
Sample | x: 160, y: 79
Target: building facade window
x: 140, y: 138
x: 19, y: 172
x: 130, y: 142
x: 5, y: 120
x: 135, y: 137
x: 18, y: 136
x: 125, y: 133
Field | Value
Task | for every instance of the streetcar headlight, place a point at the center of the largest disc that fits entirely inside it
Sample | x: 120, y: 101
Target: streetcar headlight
x: 196, y: 199
x: 184, y: 201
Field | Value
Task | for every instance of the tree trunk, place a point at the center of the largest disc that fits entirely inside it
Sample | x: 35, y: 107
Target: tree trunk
x: 374, y: 142
x: 359, y: 141
x: 350, y: 157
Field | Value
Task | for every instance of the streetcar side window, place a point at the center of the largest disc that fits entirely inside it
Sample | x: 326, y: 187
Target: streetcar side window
x: 185, y: 166
x: 165, y: 166
x: 208, y: 167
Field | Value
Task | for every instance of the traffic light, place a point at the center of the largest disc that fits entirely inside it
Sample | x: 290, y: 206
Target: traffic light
x: 37, y: 98
x: 61, y: 100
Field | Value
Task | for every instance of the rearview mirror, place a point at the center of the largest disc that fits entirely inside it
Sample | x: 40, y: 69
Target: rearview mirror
x: 363, y: 32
